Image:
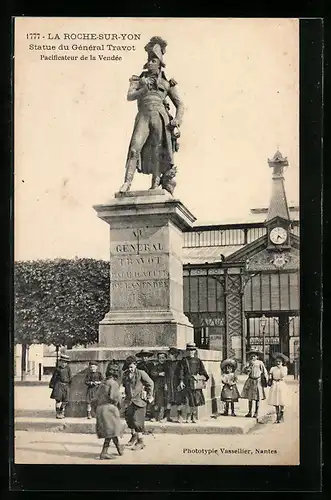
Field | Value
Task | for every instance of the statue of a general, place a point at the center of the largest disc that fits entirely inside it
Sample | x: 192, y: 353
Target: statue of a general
x: 155, y: 133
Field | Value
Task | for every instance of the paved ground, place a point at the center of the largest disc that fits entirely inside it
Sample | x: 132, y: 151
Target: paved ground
x: 279, y: 444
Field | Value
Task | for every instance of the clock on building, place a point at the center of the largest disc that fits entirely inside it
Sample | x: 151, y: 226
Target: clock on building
x: 278, y: 235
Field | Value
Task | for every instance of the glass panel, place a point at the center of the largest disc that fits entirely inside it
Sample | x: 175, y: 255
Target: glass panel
x: 186, y: 292
x: 203, y: 306
x: 256, y: 292
x: 294, y: 290
x: 265, y: 292
x: 285, y: 305
x: 194, y: 294
x: 274, y: 292
x: 211, y: 294
x: 220, y: 305
x: 294, y: 326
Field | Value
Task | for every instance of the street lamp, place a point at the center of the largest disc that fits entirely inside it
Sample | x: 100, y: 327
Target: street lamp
x: 263, y: 324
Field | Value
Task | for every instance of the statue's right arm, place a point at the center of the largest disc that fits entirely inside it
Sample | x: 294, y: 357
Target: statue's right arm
x: 135, y: 91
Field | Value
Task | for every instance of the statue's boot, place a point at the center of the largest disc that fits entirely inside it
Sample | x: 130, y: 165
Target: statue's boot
x: 156, y: 181
x: 130, y: 170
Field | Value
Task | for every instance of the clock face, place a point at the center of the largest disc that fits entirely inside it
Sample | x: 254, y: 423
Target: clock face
x: 278, y: 235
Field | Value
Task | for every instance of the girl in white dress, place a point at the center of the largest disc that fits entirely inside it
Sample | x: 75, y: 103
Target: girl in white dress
x: 278, y: 393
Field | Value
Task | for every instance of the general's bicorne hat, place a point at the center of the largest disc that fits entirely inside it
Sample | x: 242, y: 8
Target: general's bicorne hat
x: 156, y: 47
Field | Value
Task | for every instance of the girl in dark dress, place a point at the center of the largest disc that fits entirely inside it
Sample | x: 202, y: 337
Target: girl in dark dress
x: 158, y: 375
x: 173, y: 395
x: 107, y: 402
x: 60, y: 383
x: 191, y: 369
x: 229, y: 393
x: 93, y: 379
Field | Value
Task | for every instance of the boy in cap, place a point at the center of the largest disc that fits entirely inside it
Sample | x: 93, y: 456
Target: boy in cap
x: 138, y: 388
x: 93, y: 379
x: 60, y: 383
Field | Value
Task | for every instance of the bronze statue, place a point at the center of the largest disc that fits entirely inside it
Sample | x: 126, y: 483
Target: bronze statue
x: 155, y: 135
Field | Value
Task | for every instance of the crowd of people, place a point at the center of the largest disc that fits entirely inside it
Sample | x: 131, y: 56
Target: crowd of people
x: 158, y: 391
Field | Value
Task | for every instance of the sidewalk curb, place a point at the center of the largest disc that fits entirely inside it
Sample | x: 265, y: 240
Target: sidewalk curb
x: 224, y: 425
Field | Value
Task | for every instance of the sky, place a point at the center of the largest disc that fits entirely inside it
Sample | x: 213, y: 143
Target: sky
x: 238, y: 79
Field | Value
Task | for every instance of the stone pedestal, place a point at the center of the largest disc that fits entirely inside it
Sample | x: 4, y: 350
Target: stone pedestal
x: 146, y: 272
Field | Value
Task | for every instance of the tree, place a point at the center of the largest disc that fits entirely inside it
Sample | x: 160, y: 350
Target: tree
x: 60, y: 302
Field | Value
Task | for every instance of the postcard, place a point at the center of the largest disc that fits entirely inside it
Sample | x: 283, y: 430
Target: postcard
x: 157, y: 241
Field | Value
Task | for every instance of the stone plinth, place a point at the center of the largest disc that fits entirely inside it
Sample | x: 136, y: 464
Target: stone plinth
x: 146, y: 272
x: 80, y: 357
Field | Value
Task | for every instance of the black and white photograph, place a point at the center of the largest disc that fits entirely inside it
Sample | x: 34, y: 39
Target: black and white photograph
x: 156, y: 241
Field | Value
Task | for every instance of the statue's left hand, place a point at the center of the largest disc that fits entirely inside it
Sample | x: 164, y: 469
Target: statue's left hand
x: 174, y: 123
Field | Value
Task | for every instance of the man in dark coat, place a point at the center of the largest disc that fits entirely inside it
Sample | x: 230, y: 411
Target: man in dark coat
x: 138, y: 388
x: 60, y: 383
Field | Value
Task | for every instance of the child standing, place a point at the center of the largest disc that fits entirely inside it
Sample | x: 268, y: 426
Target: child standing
x: 92, y: 380
x: 173, y: 395
x: 253, y: 389
x: 229, y: 393
x: 158, y: 375
x: 278, y: 394
x: 107, y: 402
x: 60, y: 383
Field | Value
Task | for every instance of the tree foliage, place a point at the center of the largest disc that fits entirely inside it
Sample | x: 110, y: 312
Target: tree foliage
x: 60, y: 301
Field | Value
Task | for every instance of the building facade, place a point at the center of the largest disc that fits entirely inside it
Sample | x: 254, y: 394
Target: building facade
x: 242, y: 281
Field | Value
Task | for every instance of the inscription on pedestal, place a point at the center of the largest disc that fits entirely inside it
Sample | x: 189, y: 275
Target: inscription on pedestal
x: 139, y: 274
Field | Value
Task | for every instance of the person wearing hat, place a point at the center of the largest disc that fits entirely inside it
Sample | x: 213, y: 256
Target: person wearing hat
x: 253, y: 389
x: 173, y: 395
x: 192, y: 378
x: 151, y: 148
x: 229, y: 393
x: 159, y: 377
x: 60, y: 383
x: 144, y: 361
x: 278, y: 394
x: 147, y: 365
x: 138, y: 387
x: 106, y: 402
x: 93, y: 379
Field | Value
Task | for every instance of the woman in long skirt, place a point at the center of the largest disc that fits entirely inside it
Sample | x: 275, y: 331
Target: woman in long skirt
x: 106, y: 403
x: 278, y: 393
x: 191, y: 369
